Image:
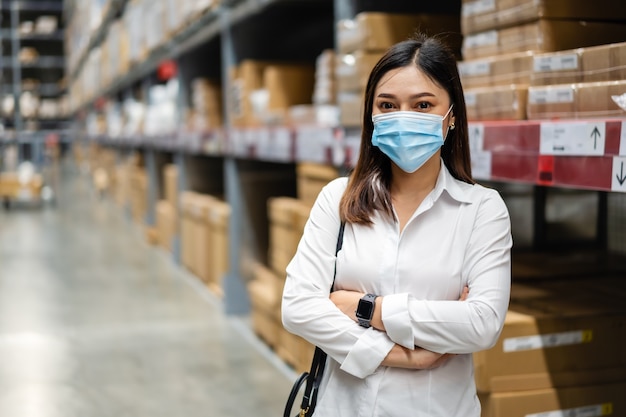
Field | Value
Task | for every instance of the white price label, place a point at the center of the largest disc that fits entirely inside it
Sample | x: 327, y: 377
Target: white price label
x: 555, y: 63
x: 477, y: 7
x: 575, y: 138
x: 488, y: 38
x: 476, y: 136
x: 618, y: 177
x: 597, y: 410
x: 314, y: 144
x: 481, y: 164
x: 474, y: 68
x: 516, y: 344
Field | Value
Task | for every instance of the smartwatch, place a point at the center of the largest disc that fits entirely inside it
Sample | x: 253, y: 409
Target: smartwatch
x: 365, y: 310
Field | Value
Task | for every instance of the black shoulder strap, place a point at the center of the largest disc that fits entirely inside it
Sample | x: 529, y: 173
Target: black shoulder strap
x: 309, y: 399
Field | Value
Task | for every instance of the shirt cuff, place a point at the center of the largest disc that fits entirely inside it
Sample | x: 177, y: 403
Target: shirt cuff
x: 397, y: 321
x: 367, y: 353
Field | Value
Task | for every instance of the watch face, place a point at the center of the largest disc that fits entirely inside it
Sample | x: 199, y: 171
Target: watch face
x: 365, y: 309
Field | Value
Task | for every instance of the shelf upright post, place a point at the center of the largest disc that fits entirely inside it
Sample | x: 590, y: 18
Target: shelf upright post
x: 17, y: 74
x: 343, y: 9
x: 150, y: 160
x: 236, y: 300
x: 178, y: 158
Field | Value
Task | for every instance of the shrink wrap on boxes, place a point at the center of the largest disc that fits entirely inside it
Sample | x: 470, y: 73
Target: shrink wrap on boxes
x: 497, y: 103
x: 481, y: 15
x: 498, y: 70
x: 543, y: 35
x: 377, y: 31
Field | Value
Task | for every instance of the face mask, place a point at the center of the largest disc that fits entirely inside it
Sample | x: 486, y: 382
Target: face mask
x: 408, y: 138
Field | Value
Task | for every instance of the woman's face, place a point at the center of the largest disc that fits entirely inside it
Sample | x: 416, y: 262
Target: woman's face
x: 409, y: 89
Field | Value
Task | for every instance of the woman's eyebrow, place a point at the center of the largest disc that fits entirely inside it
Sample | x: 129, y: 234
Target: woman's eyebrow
x: 414, y: 96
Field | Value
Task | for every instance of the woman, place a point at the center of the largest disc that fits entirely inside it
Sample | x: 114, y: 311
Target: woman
x: 423, y: 277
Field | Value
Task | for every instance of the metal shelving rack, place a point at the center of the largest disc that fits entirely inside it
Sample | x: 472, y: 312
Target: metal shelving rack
x: 505, y: 152
x: 47, y: 70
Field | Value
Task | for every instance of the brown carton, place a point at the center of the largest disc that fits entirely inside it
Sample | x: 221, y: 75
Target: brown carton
x: 311, y: 178
x: 515, y: 68
x: 481, y: 15
x: 549, y: 343
x: 497, y: 103
x: 552, y: 101
x: 377, y: 31
x: 591, y: 400
x: 604, y: 63
x: 543, y: 35
x: 354, y: 69
x: 563, y: 67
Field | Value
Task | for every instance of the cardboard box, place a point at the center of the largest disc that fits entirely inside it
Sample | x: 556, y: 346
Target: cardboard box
x: 206, y: 101
x: 593, y: 400
x: 552, y: 101
x: 265, y: 291
x: 353, y: 70
x: 350, y: 109
x: 283, y: 240
x: 311, y: 178
x: 500, y: 70
x: 604, y: 63
x: 543, y: 35
x: 574, y: 101
x: 563, y: 67
x: 377, y: 31
x: 496, y: 103
x: 245, y: 78
x: 554, y: 342
x: 170, y: 185
x: 481, y: 15
x: 186, y: 230
x: 166, y: 224
x: 218, y: 217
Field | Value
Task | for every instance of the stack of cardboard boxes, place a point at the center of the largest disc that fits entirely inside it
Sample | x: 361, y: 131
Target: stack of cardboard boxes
x: 510, y: 45
x: 263, y: 91
x: 287, y: 217
x: 562, y: 352
x: 204, y: 237
x: 361, y: 42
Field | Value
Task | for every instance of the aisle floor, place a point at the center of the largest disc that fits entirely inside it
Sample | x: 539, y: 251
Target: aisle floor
x: 94, y: 322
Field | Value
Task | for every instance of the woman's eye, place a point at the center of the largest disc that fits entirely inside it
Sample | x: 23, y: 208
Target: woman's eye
x: 386, y: 105
x: 423, y: 105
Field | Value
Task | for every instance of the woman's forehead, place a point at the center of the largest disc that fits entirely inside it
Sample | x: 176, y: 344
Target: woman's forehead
x: 409, y: 79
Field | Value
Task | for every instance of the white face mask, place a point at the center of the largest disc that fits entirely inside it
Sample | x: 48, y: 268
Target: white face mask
x: 408, y: 138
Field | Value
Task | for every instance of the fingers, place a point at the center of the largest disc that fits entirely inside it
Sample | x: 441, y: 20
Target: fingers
x: 464, y: 293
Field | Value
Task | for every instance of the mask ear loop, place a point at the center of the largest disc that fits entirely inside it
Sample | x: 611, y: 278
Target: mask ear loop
x: 450, y: 125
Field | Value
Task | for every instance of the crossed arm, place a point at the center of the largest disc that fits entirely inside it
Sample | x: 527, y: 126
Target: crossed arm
x: 399, y: 356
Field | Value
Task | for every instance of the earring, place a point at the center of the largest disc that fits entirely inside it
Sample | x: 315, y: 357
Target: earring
x: 451, y: 126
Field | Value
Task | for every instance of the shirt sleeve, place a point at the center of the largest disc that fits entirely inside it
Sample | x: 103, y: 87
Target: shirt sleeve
x: 472, y: 325
x: 306, y: 308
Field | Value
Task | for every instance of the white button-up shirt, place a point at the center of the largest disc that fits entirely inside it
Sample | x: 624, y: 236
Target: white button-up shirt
x: 459, y: 235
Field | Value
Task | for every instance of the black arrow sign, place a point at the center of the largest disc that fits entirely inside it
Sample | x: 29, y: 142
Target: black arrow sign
x: 621, y: 177
x: 595, y: 134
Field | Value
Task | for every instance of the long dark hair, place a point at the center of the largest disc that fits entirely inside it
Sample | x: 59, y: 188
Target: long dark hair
x: 368, y: 187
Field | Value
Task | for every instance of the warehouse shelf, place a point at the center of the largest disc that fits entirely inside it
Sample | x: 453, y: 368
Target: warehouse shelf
x: 33, y: 6
x: 42, y: 62
x: 516, y: 151
x: 56, y: 36
x: 33, y: 62
x: 96, y: 38
x: 45, y: 90
x: 218, y: 39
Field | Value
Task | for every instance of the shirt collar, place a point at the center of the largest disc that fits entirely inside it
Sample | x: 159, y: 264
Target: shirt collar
x: 456, y: 189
